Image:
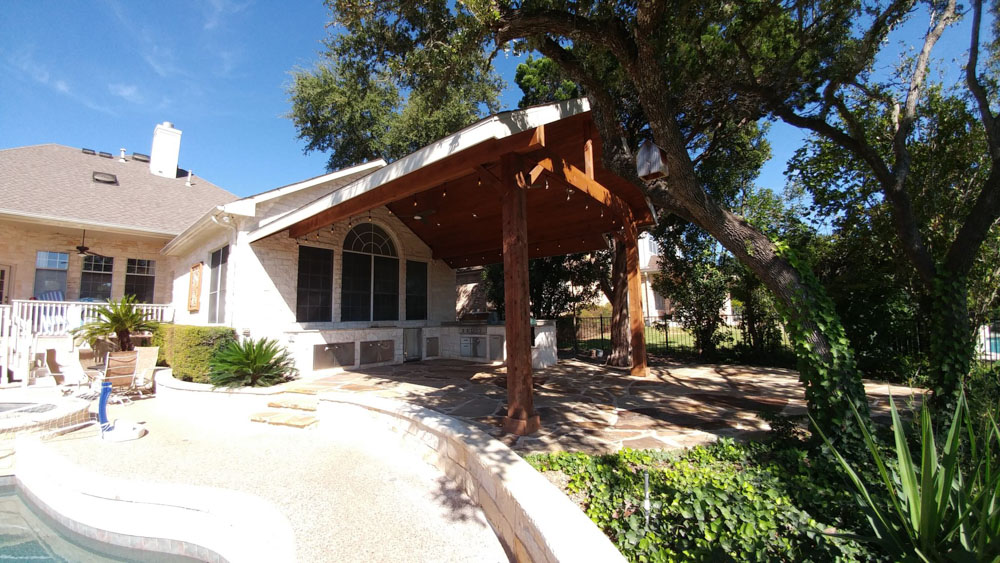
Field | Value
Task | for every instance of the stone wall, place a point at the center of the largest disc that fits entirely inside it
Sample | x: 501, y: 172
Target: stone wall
x: 533, y: 519
x: 20, y: 243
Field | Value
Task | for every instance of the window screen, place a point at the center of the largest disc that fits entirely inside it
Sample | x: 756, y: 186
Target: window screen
x: 416, y: 290
x: 314, y: 294
x: 95, y: 280
x: 140, y: 278
x: 370, y: 276
x: 50, y: 275
x: 217, y: 286
x: 355, y: 300
x: 385, y: 289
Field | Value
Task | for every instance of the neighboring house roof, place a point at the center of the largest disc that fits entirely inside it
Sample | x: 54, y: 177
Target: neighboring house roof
x: 248, y: 206
x: 55, y: 183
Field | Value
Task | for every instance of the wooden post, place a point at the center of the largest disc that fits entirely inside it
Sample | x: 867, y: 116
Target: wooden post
x: 521, y: 418
x: 636, y: 321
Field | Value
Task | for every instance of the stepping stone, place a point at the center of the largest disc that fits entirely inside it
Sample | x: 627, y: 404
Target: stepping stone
x: 284, y: 419
x: 294, y: 403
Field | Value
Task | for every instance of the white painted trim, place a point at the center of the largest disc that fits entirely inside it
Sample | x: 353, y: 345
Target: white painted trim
x: 495, y: 127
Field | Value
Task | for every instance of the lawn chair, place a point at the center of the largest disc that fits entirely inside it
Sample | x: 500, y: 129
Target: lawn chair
x: 119, y: 369
x: 70, y: 373
x: 145, y: 366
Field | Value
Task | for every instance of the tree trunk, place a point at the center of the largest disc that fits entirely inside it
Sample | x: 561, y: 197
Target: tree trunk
x: 125, y: 341
x: 952, y: 342
x: 620, y: 349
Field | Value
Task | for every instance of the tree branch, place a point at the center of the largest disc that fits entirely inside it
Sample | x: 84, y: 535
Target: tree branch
x: 972, y: 79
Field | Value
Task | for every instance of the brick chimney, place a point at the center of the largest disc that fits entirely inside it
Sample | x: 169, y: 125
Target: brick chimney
x: 166, y: 150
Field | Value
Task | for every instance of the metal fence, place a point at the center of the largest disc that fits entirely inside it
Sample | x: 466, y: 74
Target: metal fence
x: 592, y: 336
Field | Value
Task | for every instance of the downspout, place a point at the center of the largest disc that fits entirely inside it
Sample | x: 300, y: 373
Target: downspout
x: 231, y: 275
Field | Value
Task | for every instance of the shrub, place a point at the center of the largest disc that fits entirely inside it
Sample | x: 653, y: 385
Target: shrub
x: 188, y: 349
x: 252, y: 363
x: 940, y: 511
x: 712, y: 503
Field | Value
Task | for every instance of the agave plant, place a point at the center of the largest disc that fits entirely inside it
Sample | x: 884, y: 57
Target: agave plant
x: 121, y: 318
x: 252, y: 363
x: 939, y: 509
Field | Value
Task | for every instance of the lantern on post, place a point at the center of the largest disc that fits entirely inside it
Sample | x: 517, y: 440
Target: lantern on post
x: 651, y: 163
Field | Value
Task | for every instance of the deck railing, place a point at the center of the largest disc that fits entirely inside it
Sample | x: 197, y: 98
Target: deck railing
x: 23, y: 321
x: 57, y: 318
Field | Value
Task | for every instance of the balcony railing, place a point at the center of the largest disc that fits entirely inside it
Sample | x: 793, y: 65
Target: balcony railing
x: 57, y: 318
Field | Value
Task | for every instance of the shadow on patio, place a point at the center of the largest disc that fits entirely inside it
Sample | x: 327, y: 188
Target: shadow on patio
x: 592, y: 408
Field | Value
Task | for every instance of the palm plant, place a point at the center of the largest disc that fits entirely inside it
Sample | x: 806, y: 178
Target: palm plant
x: 121, y: 318
x: 939, y: 509
x: 253, y: 363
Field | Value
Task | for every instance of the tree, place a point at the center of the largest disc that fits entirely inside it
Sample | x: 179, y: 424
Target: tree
x: 877, y: 123
x: 360, y: 104
x: 557, y: 285
x: 651, y: 71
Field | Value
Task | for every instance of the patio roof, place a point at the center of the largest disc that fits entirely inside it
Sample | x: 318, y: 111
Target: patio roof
x: 448, y: 193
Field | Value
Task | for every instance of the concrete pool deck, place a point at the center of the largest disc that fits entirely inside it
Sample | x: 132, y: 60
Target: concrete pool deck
x: 348, y: 496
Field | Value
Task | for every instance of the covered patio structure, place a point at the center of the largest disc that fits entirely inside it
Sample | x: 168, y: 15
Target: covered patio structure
x: 514, y: 186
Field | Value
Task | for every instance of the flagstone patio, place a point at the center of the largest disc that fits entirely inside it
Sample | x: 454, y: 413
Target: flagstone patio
x: 587, y: 407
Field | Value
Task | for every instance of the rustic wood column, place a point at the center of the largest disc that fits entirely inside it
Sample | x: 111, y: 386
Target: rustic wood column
x: 636, y: 320
x: 521, y: 418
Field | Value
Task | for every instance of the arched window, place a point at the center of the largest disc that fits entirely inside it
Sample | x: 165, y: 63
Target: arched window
x: 370, y: 281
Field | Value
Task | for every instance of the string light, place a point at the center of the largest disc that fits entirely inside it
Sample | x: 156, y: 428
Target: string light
x: 444, y: 193
x: 414, y: 203
x: 546, y: 184
x: 370, y: 215
x: 474, y: 215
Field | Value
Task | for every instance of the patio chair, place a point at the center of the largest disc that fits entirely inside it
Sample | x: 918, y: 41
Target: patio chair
x: 119, y: 369
x: 145, y: 366
x: 70, y: 373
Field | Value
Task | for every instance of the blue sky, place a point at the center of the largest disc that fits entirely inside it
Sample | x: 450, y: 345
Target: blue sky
x: 101, y: 75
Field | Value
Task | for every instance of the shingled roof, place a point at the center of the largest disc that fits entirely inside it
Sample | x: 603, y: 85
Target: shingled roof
x: 57, y: 182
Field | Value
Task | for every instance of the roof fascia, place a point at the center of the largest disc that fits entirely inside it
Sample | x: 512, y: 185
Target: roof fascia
x: 494, y: 127
x: 53, y: 221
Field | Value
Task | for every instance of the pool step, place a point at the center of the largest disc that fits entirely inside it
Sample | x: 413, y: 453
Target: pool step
x: 294, y: 403
x: 284, y: 418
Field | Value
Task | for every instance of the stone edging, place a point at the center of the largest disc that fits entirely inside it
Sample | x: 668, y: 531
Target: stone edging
x: 204, y: 523
x: 534, y: 520
x: 165, y: 380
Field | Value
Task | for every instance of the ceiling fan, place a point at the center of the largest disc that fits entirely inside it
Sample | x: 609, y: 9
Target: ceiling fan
x: 84, y: 250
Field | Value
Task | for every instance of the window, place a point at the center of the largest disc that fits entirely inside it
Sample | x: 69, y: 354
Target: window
x: 95, y: 281
x: 314, y: 301
x: 50, y: 275
x: 416, y: 290
x: 370, y: 281
x: 217, y: 286
x: 140, y: 277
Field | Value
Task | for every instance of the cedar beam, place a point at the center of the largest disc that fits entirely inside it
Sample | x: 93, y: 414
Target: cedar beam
x: 637, y: 323
x: 521, y: 418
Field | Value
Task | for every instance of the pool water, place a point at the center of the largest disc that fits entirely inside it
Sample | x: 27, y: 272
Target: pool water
x: 24, y: 535
x: 28, y: 535
x: 995, y: 344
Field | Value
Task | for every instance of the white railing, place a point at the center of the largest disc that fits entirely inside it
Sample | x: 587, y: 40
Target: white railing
x: 23, y: 321
x: 6, y: 340
x: 57, y: 318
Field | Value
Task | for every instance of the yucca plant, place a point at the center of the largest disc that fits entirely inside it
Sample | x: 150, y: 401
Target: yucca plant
x: 121, y: 318
x: 938, y: 510
x: 251, y: 363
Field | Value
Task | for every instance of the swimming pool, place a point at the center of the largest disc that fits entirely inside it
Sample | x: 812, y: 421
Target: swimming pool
x: 27, y: 534
x: 995, y: 344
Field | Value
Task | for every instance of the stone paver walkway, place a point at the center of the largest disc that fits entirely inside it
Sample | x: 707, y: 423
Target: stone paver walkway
x: 586, y: 407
